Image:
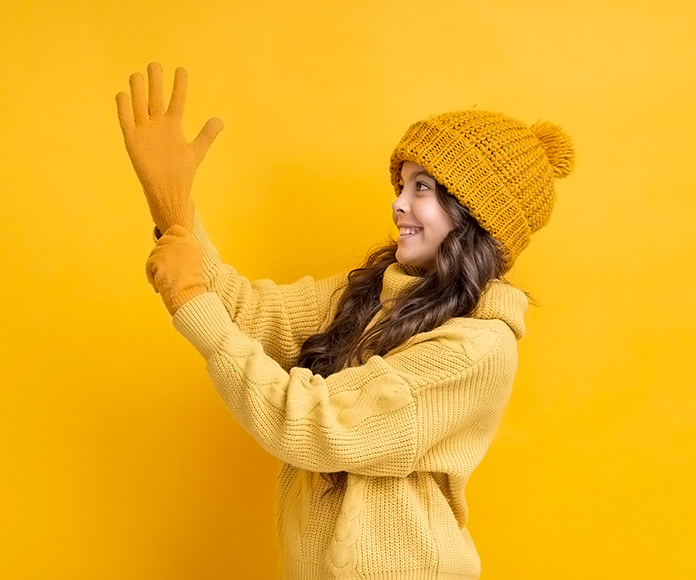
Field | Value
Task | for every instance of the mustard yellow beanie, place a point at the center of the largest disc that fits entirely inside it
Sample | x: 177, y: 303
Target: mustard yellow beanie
x: 500, y: 169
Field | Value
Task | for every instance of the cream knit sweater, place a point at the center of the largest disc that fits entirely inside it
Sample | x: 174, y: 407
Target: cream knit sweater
x: 409, y: 428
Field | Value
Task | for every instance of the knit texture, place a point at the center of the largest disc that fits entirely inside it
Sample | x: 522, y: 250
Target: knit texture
x: 496, y: 166
x: 408, y: 428
x: 174, y: 283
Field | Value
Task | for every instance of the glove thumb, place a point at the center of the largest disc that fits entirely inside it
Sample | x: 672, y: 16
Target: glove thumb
x: 205, y: 138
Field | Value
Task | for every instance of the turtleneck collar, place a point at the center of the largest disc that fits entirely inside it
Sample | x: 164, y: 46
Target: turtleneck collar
x: 498, y: 300
x: 398, y: 278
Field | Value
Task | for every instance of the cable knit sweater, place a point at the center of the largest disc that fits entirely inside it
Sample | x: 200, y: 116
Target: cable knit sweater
x: 408, y: 428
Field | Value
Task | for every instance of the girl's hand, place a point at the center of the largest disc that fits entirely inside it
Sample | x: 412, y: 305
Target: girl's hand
x: 163, y: 161
x: 174, y: 268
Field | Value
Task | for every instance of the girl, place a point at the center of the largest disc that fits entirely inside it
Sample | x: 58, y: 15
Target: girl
x: 380, y: 389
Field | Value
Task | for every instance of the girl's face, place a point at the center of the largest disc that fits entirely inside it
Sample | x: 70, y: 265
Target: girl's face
x: 417, y: 205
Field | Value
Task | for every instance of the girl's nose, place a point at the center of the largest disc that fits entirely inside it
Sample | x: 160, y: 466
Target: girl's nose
x: 399, y: 203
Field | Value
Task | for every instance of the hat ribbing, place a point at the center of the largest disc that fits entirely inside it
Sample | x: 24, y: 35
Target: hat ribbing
x: 500, y: 169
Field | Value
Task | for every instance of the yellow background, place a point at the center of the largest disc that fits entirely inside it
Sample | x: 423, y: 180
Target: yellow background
x: 118, y: 458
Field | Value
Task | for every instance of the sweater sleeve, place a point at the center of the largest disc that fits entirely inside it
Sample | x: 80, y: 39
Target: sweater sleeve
x: 376, y: 419
x: 279, y: 316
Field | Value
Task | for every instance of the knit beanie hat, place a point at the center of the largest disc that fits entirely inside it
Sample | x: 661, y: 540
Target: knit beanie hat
x: 500, y: 169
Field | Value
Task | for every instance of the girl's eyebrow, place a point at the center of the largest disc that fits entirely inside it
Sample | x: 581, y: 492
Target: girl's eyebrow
x: 421, y: 172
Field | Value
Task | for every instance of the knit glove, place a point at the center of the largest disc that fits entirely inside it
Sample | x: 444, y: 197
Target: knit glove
x: 163, y: 161
x: 175, y: 268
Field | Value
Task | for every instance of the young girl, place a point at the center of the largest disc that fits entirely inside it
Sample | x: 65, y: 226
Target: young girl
x: 380, y: 389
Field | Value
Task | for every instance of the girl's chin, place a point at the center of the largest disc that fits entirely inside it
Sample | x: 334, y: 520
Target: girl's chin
x: 407, y: 262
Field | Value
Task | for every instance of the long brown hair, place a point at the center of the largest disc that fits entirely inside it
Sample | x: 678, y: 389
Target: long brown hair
x: 467, y: 259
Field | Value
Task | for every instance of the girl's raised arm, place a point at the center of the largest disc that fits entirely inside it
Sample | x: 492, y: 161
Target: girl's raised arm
x: 279, y: 316
x: 378, y: 419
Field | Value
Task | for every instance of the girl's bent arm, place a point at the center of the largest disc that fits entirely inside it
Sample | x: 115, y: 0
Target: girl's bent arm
x: 279, y: 316
x: 378, y: 419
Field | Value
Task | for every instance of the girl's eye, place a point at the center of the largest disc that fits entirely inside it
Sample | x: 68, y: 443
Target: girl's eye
x: 418, y: 184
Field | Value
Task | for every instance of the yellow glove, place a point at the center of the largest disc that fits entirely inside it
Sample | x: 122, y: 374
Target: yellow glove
x: 175, y: 268
x: 163, y: 161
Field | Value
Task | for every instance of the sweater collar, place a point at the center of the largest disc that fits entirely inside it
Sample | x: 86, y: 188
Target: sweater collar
x: 397, y: 279
x: 498, y: 301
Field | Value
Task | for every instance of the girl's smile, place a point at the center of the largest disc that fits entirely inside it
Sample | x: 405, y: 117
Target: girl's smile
x: 409, y: 233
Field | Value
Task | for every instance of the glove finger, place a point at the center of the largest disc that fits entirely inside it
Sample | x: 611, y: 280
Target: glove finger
x: 125, y: 113
x: 154, y: 73
x: 178, y: 100
x: 137, y: 85
x: 155, y: 250
x: 205, y: 138
x: 168, y: 240
x: 175, y: 232
x: 150, y: 269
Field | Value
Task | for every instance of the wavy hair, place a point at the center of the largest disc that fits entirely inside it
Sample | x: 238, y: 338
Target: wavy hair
x: 466, y: 260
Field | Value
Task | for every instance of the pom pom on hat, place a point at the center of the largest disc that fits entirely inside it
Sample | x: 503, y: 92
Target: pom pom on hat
x: 557, y: 146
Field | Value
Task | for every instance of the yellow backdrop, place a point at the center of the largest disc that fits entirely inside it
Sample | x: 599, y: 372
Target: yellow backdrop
x: 118, y: 458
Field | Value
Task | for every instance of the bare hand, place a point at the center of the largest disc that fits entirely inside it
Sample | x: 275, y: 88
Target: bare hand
x: 163, y: 161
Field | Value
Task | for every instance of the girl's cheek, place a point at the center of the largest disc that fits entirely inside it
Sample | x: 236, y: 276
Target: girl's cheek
x: 427, y: 215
